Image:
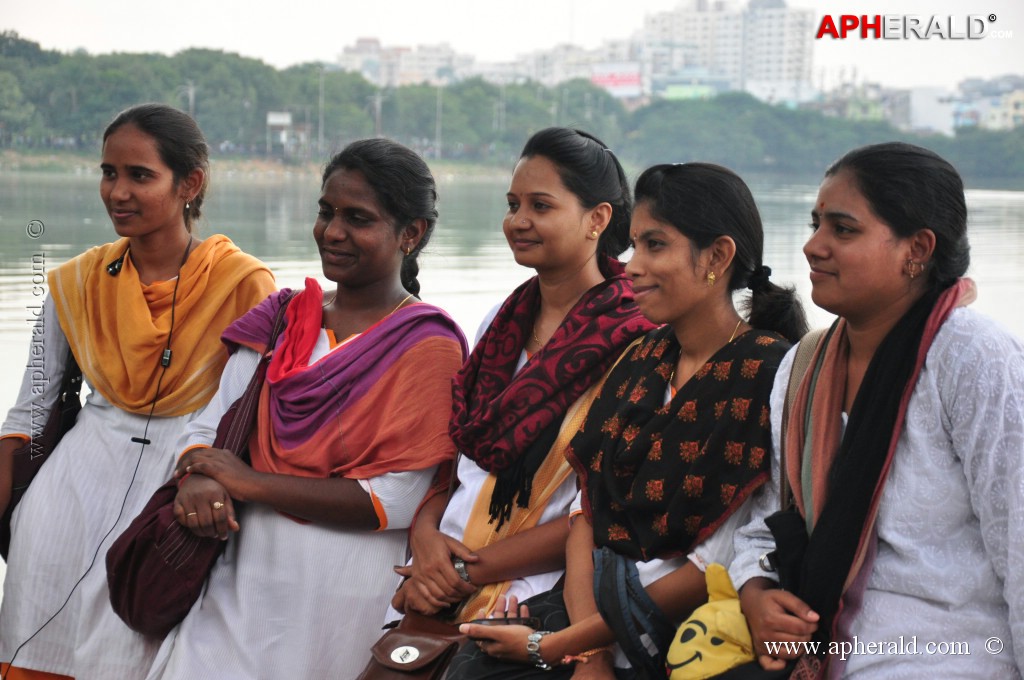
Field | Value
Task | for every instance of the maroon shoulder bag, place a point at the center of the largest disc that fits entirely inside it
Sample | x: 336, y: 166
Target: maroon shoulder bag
x: 156, y: 569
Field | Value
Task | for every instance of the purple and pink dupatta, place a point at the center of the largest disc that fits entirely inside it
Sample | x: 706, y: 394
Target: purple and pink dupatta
x: 379, y: 403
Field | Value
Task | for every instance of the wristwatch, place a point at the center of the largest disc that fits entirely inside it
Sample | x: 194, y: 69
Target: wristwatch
x: 533, y: 649
x: 460, y: 568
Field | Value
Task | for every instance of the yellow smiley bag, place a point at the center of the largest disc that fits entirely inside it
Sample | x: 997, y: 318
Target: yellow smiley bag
x: 715, y: 638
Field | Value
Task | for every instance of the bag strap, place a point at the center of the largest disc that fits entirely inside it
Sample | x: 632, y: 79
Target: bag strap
x: 245, y: 408
x: 801, y: 362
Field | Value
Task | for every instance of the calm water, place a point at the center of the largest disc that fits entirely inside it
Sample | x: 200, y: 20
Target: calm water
x: 466, y: 269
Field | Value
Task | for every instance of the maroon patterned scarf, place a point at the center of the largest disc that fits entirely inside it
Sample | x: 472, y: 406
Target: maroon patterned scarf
x: 506, y: 421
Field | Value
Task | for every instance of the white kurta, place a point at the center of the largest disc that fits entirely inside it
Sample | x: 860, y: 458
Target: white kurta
x: 291, y: 600
x: 472, y: 478
x: 950, y: 562
x: 67, y: 520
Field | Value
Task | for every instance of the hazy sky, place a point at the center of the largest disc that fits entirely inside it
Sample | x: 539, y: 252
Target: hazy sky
x: 295, y: 31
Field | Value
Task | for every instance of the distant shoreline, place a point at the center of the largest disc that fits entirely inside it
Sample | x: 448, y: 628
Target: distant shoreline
x: 258, y: 169
x: 80, y: 163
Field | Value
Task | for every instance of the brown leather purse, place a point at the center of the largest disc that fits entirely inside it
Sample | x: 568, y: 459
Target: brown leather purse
x: 419, y: 647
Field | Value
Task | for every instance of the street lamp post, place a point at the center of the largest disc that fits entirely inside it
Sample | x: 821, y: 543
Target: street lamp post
x: 320, y: 122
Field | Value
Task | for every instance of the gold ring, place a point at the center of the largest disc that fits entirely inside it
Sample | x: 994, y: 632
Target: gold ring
x: 191, y: 514
x: 218, y: 505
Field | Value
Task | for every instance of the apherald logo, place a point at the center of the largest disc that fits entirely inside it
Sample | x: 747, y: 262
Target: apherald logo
x: 904, y: 26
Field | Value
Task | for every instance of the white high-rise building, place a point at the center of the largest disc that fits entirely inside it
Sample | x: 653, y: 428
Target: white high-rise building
x: 777, y: 45
x: 763, y: 48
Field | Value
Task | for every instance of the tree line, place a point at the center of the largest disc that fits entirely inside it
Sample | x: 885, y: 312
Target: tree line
x: 52, y: 100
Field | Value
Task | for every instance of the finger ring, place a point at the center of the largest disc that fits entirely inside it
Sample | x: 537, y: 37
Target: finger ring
x: 218, y: 505
x: 191, y: 514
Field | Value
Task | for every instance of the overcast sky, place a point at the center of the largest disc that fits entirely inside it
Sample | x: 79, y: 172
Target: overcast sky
x: 296, y: 31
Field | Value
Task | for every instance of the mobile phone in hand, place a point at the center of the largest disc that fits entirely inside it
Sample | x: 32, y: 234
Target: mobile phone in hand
x: 531, y: 621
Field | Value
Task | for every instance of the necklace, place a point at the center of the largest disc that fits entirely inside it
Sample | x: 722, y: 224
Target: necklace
x: 536, y: 340
x: 672, y: 375
x: 733, y: 336
x: 397, y: 307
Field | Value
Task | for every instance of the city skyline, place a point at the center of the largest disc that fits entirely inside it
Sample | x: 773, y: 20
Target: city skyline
x: 309, y: 32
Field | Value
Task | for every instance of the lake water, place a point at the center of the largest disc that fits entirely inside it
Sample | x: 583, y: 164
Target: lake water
x: 467, y: 268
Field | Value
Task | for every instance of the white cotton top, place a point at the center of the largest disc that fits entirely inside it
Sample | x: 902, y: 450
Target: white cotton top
x: 950, y: 561
x: 44, y: 369
x: 93, y: 485
x: 471, y: 481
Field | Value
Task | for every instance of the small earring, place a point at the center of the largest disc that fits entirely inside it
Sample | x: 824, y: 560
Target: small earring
x: 711, y: 279
x: 187, y: 204
x: 407, y: 250
x: 912, y: 268
x: 594, y: 234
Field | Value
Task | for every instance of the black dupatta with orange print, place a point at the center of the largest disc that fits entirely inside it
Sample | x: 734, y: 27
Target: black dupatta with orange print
x: 659, y: 479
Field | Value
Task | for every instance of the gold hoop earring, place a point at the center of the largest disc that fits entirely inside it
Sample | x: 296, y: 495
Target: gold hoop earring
x: 711, y: 279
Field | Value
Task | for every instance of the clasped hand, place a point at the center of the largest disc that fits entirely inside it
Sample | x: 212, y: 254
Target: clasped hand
x: 208, y: 481
x: 432, y: 584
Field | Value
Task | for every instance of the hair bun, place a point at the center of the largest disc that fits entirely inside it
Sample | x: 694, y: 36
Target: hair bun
x: 759, y: 279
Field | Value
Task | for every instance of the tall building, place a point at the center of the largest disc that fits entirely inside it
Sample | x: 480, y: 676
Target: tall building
x: 777, y: 51
x: 697, y: 49
x: 764, y: 48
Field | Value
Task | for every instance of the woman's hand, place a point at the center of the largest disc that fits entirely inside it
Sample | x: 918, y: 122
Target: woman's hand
x: 775, y: 616
x: 205, y: 507
x: 431, y: 572
x: 221, y: 465
x: 507, y: 643
x: 598, y: 666
x: 410, y: 597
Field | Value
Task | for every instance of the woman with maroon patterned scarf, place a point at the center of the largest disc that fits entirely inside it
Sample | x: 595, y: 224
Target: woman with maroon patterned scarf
x: 673, y: 446
x: 527, y: 383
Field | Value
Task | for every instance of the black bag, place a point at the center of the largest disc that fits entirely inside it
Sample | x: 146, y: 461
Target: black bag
x: 28, y: 458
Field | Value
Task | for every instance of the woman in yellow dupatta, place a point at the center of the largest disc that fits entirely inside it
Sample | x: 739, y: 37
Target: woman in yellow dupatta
x: 142, y: 317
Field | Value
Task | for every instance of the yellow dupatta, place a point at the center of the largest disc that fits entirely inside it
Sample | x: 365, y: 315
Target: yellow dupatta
x: 118, y: 327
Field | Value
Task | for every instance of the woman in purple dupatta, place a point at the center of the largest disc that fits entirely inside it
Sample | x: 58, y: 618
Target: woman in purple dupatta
x: 352, y: 425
